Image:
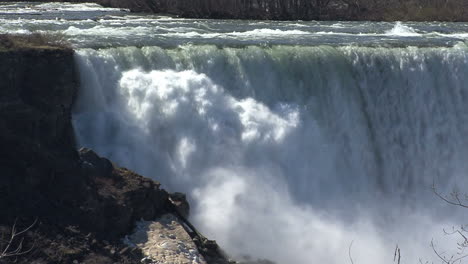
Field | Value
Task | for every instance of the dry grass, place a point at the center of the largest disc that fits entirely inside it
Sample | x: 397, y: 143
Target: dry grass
x: 35, y: 40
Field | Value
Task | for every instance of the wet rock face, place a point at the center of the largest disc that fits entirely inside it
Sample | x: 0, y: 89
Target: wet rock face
x: 92, y: 164
x: 179, y: 200
x: 118, y: 196
x: 37, y: 89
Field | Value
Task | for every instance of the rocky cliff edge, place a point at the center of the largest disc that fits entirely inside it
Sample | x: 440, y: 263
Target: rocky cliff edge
x: 60, y: 205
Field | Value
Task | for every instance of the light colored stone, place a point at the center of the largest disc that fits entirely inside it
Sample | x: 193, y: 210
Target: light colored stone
x: 165, y: 241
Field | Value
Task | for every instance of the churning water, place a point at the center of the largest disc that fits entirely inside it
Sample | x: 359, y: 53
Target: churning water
x: 293, y: 140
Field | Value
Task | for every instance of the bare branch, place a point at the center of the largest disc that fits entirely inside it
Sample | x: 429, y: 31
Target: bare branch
x: 349, y: 252
x: 397, y: 255
x: 448, y: 260
x: 6, y: 252
x: 455, y: 195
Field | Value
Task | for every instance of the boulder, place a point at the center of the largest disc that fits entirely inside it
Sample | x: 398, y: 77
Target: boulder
x: 179, y: 200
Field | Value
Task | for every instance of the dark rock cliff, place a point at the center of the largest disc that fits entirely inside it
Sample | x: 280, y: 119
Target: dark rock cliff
x: 43, y: 178
x: 37, y: 89
x: 78, y: 205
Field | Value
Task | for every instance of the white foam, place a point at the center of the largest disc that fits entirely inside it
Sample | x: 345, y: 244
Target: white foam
x: 101, y: 30
x: 402, y: 30
x: 268, y: 32
x: 81, y: 7
x: 454, y: 35
x: 247, y: 34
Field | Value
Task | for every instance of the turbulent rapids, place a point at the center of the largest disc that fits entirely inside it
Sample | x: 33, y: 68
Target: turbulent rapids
x: 287, y: 152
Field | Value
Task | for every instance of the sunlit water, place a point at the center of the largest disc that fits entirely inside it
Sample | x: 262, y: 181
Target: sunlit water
x: 291, y: 139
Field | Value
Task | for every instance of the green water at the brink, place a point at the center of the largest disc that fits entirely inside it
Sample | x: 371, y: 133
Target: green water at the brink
x: 89, y: 25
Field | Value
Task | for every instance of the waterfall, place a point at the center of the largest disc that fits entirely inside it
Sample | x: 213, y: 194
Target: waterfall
x: 290, y: 153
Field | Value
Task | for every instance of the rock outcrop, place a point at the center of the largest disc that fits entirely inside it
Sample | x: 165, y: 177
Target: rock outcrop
x: 74, y: 206
x: 37, y: 89
x: 165, y: 240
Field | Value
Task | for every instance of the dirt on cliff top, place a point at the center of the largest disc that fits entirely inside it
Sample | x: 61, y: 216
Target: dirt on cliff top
x: 35, y: 40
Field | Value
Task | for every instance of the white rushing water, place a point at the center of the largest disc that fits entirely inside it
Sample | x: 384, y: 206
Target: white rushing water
x: 91, y: 25
x: 290, y: 153
x: 298, y: 142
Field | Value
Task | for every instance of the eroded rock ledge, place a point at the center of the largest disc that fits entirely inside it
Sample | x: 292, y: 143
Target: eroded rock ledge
x: 75, y: 205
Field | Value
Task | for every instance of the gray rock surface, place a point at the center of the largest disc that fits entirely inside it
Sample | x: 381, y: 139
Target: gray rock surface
x: 164, y: 240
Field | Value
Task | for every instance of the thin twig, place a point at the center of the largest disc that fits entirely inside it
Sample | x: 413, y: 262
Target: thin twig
x: 397, y: 254
x: 349, y: 252
x: 455, y: 195
x: 444, y: 259
x: 19, y: 249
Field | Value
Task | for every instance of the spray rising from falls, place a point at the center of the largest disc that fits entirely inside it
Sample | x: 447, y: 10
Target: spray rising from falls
x: 289, y: 153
